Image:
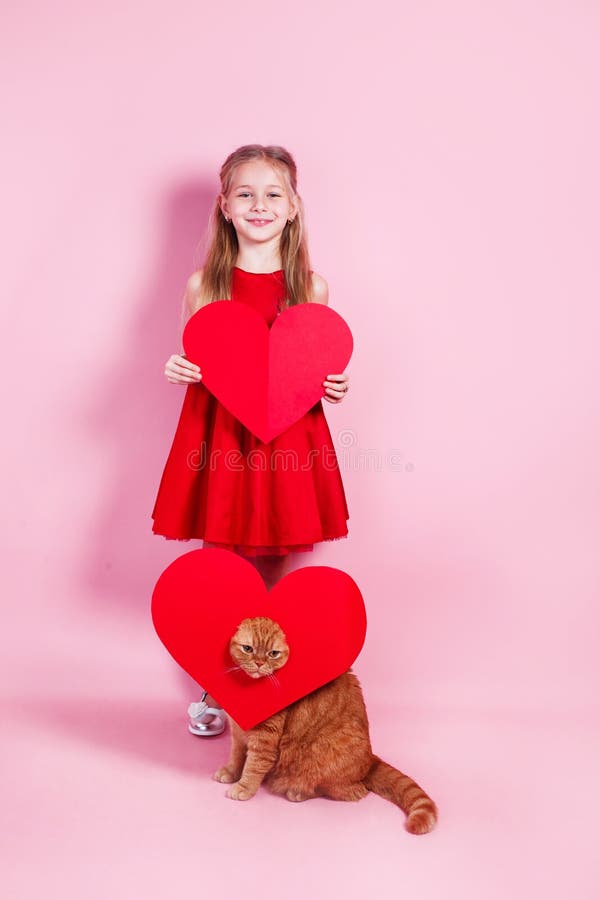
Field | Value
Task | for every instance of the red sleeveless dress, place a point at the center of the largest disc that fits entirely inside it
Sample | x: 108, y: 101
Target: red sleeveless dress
x: 224, y: 485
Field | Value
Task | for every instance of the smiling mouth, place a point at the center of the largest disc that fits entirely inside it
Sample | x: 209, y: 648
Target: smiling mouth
x: 260, y: 221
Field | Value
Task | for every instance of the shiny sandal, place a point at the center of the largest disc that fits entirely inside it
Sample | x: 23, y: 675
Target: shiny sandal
x: 198, y: 711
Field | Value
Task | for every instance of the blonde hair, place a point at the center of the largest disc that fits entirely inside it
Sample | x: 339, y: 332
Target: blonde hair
x: 222, y: 244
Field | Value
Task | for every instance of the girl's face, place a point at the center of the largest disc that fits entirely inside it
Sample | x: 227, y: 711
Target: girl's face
x: 258, y: 202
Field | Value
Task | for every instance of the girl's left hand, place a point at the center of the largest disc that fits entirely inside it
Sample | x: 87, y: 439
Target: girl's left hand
x: 336, y: 387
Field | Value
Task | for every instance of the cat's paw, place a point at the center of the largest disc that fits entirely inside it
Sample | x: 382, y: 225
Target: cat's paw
x: 224, y: 775
x: 239, y: 792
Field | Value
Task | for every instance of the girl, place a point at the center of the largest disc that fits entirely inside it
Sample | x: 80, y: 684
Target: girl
x: 220, y: 482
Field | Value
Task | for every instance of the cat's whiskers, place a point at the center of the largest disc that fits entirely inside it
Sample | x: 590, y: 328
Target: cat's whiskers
x: 274, y: 679
x: 233, y: 669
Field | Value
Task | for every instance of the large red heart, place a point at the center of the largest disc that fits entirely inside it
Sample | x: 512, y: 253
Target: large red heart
x: 268, y: 378
x: 201, y: 598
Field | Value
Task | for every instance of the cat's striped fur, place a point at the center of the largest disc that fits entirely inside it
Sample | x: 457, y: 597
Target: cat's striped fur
x: 318, y: 746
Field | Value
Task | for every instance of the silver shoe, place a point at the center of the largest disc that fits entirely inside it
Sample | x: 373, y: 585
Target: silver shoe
x: 199, y: 711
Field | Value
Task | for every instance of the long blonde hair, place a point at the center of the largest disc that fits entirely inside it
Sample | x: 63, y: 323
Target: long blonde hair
x: 222, y: 239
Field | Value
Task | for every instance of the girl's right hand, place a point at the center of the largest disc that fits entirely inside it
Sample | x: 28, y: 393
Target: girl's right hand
x: 180, y: 370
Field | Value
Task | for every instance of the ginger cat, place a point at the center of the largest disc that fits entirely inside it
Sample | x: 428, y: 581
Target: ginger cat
x: 318, y: 746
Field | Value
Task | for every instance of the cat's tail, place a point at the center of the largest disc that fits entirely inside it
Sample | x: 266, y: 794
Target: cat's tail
x: 397, y: 787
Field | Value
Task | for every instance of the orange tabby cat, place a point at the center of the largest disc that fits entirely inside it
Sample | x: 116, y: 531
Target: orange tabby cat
x: 318, y: 746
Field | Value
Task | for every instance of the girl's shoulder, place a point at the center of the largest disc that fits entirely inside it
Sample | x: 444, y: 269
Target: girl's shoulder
x: 320, y: 289
x: 194, y: 282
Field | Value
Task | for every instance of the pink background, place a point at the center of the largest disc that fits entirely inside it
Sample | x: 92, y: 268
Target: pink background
x: 448, y: 160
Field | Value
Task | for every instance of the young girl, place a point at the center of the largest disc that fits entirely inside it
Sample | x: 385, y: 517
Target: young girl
x: 221, y: 483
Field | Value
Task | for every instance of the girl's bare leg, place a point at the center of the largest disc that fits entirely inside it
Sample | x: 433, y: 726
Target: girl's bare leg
x: 209, y: 699
x: 272, y: 569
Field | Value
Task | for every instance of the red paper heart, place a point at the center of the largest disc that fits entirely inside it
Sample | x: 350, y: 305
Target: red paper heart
x: 267, y: 378
x: 201, y: 598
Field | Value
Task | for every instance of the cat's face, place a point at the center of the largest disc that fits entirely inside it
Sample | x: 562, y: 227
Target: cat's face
x: 259, y: 647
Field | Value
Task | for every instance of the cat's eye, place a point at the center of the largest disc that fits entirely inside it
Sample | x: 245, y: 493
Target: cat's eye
x: 274, y: 653
x: 246, y: 648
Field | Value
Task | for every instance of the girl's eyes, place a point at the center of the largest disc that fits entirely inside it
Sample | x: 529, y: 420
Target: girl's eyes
x: 247, y: 193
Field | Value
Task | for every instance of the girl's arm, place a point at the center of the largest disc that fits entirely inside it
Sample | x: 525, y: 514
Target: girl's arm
x: 337, y: 385
x: 191, y: 300
x: 320, y: 289
x: 178, y: 369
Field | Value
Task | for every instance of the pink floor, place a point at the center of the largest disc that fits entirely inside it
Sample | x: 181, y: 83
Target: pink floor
x: 106, y: 794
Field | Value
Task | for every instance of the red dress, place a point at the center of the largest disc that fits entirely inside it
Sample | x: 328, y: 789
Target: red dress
x: 224, y: 485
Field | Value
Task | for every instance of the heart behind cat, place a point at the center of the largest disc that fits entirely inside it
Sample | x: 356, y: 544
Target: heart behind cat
x: 318, y: 746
